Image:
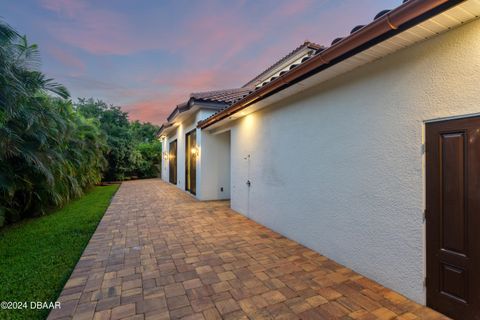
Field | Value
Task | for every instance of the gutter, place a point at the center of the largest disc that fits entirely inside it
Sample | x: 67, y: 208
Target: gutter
x: 399, y: 19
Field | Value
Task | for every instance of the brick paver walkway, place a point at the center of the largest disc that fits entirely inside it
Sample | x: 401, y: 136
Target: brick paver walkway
x: 160, y: 254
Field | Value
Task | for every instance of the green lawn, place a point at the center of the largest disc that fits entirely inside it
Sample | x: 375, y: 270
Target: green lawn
x: 38, y: 255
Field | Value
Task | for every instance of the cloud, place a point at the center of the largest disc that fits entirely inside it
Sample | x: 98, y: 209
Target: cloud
x: 186, y: 80
x: 67, y: 7
x: 67, y: 59
x: 154, y: 110
x: 88, y: 83
x: 170, y: 89
x: 292, y: 8
x: 94, y: 30
x: 214, y: 33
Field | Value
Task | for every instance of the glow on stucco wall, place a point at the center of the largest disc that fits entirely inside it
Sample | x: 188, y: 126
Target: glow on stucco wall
x: 243, y: 157
x: 214, y: 181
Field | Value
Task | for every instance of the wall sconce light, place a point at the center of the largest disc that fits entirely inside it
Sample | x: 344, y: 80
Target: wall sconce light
x: 194, y: 151
x: 165, y: 155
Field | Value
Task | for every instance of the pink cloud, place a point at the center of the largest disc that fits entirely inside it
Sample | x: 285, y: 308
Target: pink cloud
x: 183, y: 79
x: 68, y: 60
x: 67, y: 7
x: 215, y: 33
x: 174, y: 89
x: 154, y: 110
x: 185, y: 82
x: 224, y: 35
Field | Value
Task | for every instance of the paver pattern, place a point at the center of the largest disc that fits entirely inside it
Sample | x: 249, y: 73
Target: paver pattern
x: 160, y: 254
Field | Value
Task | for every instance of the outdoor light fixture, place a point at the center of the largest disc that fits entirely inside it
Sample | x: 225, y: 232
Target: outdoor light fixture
x: 165, y: 155
x: 194, y: 151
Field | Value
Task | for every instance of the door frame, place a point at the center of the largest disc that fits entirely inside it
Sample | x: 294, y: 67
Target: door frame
x: 188, y: 156
x: 447, y: 118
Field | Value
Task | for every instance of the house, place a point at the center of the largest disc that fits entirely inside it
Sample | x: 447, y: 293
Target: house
x: 184, y: 162
x: 367, y: 151
x: 191, y: 153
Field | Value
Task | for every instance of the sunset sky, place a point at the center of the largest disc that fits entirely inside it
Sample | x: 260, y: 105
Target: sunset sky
x: 149, y: 55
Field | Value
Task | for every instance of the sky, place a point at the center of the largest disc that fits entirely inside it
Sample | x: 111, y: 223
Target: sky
x: 147, y: 56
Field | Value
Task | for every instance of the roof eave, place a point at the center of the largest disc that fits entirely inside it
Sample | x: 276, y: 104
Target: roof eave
x: 306, y: 46
x: 188, y: 106
x: 162, y: 129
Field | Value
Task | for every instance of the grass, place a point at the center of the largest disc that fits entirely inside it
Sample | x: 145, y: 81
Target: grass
x: 38, y: 255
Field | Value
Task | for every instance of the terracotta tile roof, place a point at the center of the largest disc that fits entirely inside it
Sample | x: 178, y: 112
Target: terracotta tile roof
x: 306, y: 44
x: 226, y: 96
x: 222, y: 99
x: 230, y: 96
x: 252, y: 86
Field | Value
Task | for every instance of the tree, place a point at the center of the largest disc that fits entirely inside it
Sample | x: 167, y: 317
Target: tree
x: 133, y: 149
x: 143, y: 132
x: 149, y: 162
x: 147, y: 149
x: 115, y: 126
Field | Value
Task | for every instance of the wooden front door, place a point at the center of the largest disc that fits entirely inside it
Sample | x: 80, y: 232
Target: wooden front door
x: 172, y: 162
x: 453, y: 217
x: 191, y: 151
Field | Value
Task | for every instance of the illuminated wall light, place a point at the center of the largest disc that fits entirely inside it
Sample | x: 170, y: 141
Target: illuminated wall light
x: 195, y: 151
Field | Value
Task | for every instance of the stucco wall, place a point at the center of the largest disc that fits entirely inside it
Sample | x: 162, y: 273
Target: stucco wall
x: 339, y: 167
x: 165, y: 148
x: 178, y: 134
x: 215, y: 162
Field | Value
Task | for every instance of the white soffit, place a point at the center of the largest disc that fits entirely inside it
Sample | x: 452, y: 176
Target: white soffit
x: 450, y: 19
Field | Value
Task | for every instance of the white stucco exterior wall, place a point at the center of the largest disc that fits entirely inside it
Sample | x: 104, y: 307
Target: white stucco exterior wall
x: 339, y: 167
x: 179, y: 135
x: 214, y: 158
x: 165, y: 150
x: 214, y: 179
